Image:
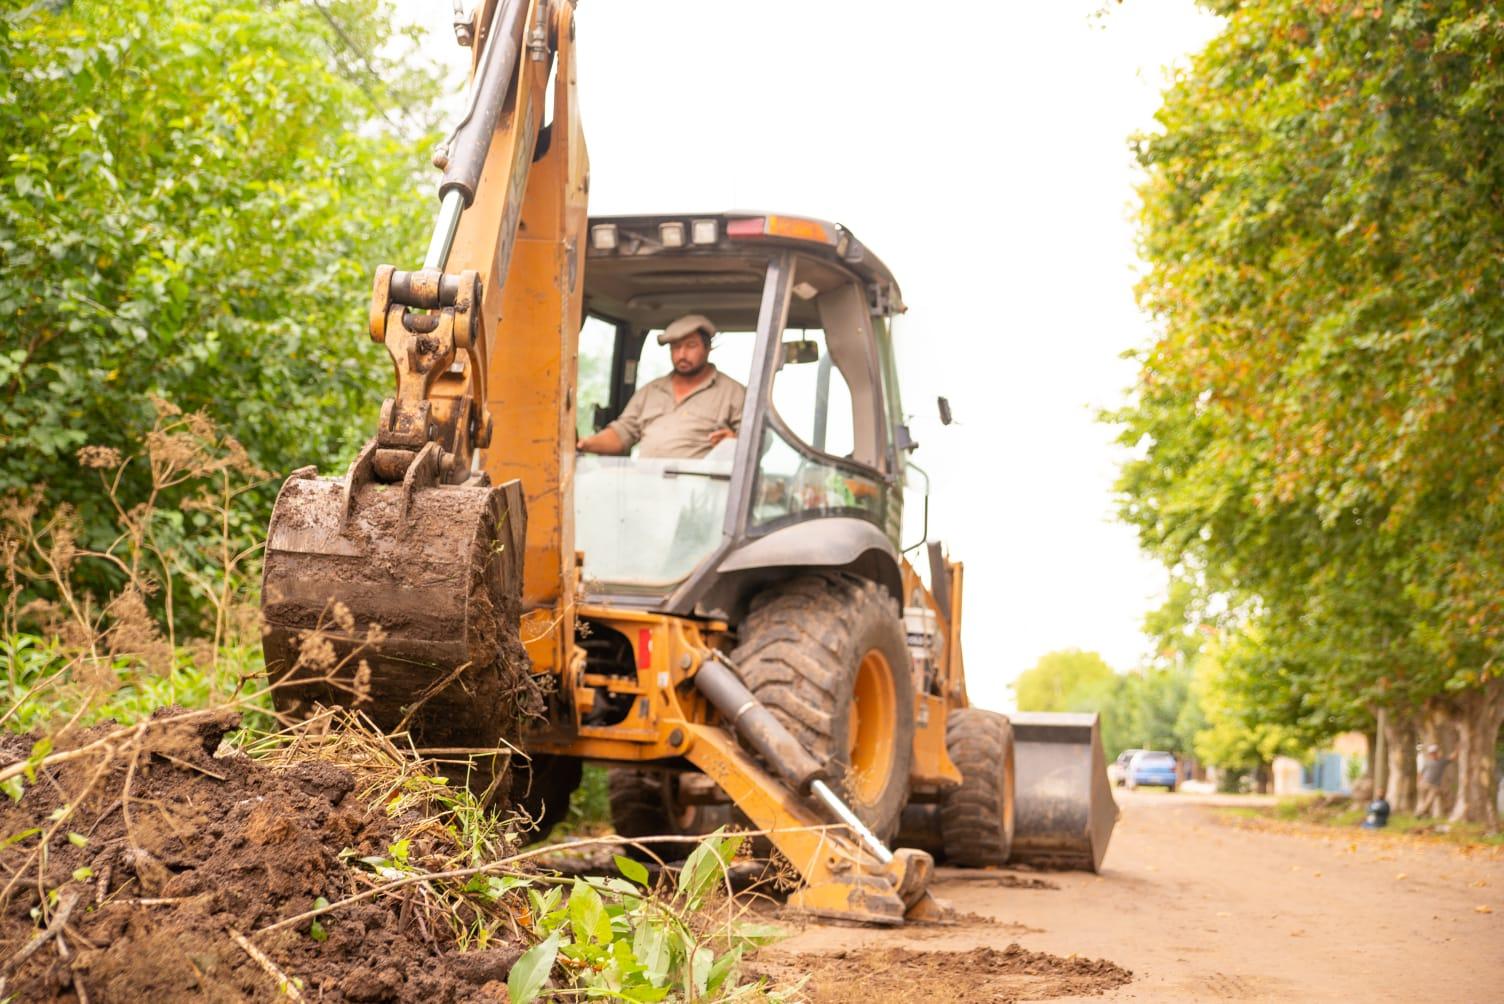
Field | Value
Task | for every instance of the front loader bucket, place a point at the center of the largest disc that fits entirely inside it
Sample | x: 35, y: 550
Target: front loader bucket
x: 1063, y: 805
x: 398, y: 602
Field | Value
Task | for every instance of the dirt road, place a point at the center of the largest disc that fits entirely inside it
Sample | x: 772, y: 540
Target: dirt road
x: 1199, y: 905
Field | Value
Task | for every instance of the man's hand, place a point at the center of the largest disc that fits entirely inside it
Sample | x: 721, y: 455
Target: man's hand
x: 721, y: 435
x: 606, y: 442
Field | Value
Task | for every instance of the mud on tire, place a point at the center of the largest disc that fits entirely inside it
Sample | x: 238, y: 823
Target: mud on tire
x: 829, y: 657
x: 976, y: 819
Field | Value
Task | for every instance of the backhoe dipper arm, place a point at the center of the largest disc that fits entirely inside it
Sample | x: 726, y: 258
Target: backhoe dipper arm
x: 507, y: 239
x: 454, y: 303
x: 487, y: 326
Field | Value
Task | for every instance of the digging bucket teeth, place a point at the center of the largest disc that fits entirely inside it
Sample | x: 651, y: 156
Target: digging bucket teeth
x: 398, y: 601
x: 1064, y: 811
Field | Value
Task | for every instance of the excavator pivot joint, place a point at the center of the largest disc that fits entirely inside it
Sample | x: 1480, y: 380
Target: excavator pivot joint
x: 426, y: 319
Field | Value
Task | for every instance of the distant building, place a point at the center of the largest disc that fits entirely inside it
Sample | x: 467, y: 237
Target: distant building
x: 1331, y: 770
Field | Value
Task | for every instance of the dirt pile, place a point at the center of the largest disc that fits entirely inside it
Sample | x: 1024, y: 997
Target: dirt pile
x: 880, y: 975
x: 147, y: 869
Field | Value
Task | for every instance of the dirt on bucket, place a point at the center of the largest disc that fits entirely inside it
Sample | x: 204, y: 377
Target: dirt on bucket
x: 146, y: 868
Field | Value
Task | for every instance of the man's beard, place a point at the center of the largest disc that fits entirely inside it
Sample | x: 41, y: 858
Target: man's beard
x: 694, y: 372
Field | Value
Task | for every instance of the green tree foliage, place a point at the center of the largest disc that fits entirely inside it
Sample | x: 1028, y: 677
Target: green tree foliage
x: 1237, y: 733
x: 1318, y: 423
x: 1068, y: 680
x: 193, y: 197
x: 1155, y: 710
x: 1148, y: 708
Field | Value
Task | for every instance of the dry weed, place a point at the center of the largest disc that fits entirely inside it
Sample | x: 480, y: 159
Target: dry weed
x: 82, y: 616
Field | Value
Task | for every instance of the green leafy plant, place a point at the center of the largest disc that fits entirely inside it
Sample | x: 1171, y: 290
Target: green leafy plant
x: 192, y: 201
x: 621, y: 938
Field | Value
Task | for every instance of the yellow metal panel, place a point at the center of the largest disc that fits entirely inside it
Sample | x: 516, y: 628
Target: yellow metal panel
x: 839, y: 879
x: 955, y: 665
x: 932, y: 763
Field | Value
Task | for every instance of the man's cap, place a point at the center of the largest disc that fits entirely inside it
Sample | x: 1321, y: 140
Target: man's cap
x: 685, y: 326
x: 1433, y: 748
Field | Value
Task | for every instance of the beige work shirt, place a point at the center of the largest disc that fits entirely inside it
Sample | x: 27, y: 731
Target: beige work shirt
x: 666, y: 428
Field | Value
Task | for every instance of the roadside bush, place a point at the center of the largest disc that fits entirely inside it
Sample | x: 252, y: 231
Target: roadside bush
x: 178, y: 627
x: 192, y: 201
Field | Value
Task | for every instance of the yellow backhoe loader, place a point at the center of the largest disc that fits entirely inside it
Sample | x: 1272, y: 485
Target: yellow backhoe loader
x: 737, y: 635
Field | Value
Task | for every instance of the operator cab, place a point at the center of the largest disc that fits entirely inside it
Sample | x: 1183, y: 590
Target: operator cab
x: 802, y: 312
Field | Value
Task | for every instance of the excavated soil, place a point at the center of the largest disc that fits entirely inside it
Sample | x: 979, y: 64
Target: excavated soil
x: 215, y: 847
x: 880, y: 975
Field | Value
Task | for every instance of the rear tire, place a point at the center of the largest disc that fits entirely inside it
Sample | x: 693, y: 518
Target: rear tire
x: 976, y: 819
x: 829, y: 658
x: 541, y: 786
x: 645, y: 803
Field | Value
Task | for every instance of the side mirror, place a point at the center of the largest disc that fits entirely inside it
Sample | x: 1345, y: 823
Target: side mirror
x: 801, y: 352
x: 904, y: 440
x: 945, y: 416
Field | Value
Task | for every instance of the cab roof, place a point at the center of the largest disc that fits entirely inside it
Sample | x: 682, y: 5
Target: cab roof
x: 647, y: 270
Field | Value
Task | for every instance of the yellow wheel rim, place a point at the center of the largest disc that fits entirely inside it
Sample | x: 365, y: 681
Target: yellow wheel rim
x: 874, y: 719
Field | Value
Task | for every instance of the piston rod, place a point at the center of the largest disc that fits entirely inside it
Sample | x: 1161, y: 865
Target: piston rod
x: 869, y: 839
x: 467, y: 148
x: 444, y: 230
x: 778, y: 747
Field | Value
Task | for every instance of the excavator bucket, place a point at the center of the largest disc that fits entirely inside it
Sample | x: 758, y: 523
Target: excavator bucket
x: 398, y: 601
x: 1064, y: 811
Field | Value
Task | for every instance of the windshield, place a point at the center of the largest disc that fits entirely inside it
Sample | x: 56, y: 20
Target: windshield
x: 644, y: 525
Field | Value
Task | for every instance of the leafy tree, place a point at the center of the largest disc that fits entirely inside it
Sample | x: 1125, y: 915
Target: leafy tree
x: 1239, y: 732
x: 192, y: 201
x: 1317, y: 424
x: 1067, y: 680
x: 1073, y: 680
x: 1153, y: 703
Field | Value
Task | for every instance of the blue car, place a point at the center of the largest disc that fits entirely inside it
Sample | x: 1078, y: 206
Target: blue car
x: 1152, y: 768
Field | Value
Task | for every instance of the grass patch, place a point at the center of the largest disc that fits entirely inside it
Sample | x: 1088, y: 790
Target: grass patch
x: 1338, y: 813
x: 52, y: 684
x: 589, y: 805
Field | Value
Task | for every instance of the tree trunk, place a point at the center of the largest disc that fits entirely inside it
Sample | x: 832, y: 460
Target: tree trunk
x: 1361, y: 788
x: 1399, y: 738
x: 1380, y: 764
x: 1480, y: 715
x: 1438, y: 726
x: 1261, y: 776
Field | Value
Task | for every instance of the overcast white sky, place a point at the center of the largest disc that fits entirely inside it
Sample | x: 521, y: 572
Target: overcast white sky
x: 981, y: 151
